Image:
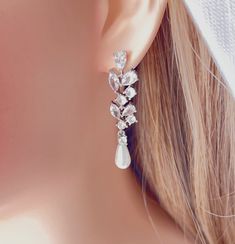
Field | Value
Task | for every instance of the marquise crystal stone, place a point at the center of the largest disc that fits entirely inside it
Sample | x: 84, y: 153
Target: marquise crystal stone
x: 121, y: 100
x: 115, y: 111
x: 120, y: 58
x: 122, y: 158
x: 131, y: 119
x: 129, y: 110
x: 130, y: 92
x: 121, y: 125
x: 114, y: 81
x: 129, y: 78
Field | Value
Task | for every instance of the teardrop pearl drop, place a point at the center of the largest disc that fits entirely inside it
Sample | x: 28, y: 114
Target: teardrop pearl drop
x: 122, y: 157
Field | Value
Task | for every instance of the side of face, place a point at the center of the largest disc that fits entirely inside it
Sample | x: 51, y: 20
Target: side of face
x: 45, y: 46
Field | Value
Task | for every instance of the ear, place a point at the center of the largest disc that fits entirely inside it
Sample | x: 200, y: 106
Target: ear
x: 129, y: 25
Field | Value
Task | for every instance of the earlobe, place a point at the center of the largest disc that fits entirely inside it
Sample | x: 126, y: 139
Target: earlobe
x: 128, y: 25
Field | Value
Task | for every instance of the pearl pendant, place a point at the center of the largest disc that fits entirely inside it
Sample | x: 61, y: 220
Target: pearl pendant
x: 122, y: 158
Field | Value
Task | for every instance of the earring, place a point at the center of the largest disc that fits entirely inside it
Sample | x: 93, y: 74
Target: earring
x: 121, y: 108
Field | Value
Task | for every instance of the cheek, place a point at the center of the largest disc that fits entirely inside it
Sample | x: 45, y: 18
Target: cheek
x: 21, y: 46
x: 39, y: 45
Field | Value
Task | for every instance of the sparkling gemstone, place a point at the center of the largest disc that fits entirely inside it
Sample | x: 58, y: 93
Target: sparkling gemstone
x: 120, y: 58
x: 114, y: 81
x: 121, y: 133
x: 121, y: 100
x: 122, y: 140
x: 129, y: 110
x: 122, y: 157
x: 130, y: 92
x: 129, y: 78
x: 115, y: 111
x: 131, y: 119
x: 121, y: 125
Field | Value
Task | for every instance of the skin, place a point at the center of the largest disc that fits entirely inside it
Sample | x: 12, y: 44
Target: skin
x: 57, y: 137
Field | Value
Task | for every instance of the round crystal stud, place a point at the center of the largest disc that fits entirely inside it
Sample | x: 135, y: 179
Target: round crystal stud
x: 131, y: 119
x: 130, y: 92
x: 121, y: 125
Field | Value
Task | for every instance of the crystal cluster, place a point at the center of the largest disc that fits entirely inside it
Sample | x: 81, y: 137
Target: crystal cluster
x: 121, y: 108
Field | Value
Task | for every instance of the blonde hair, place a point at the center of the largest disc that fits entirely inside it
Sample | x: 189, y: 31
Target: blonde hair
x: 185, y: 139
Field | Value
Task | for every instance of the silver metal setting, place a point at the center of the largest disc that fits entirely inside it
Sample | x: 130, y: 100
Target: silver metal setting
x: 121, y: 107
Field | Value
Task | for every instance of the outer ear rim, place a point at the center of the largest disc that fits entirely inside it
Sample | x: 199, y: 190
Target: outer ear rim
x: 152, y: 37
x: 134, y: 56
